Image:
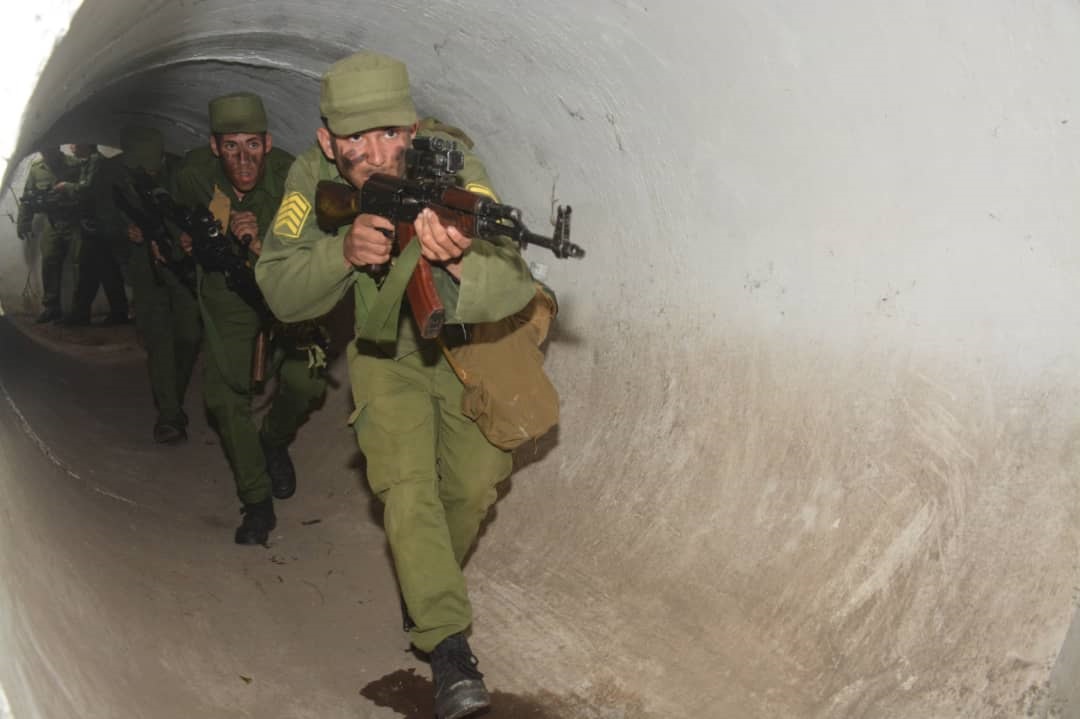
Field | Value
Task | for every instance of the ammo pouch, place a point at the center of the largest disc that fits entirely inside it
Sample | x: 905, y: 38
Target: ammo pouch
x: 507, y: 393
x: 306, y: 337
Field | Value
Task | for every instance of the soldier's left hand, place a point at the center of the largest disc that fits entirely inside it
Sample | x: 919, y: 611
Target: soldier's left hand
x: 244, y: 224
x: 441, y: 244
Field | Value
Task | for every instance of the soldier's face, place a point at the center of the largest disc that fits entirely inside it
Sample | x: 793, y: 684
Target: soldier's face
x: 243, y: 157
x: 364, y: 154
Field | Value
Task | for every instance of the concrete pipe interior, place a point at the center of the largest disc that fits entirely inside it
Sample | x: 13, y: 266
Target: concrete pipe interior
x: 820, y: 441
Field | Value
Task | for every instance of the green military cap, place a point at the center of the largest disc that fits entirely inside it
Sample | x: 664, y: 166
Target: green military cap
x: 237, y: 112
x: 143, y: 147
x: 365, y: 91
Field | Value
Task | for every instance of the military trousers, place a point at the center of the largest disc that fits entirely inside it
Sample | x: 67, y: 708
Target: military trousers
x: 56, y: 241
x: 97, y: 267
x: 435, y: 474
x: 167, y: 318
x: 230, y: 327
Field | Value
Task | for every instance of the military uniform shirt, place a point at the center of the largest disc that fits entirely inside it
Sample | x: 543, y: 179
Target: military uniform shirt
x: 303, y: 273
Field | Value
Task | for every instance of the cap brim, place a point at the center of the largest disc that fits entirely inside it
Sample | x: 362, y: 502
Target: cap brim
x: 345, y: 124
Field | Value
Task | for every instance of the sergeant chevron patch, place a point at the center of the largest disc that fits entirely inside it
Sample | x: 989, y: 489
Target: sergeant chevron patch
x: 294, y: 210
x: 481, y: 190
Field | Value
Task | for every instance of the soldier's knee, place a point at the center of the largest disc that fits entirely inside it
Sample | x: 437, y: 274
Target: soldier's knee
x: 478, y: 500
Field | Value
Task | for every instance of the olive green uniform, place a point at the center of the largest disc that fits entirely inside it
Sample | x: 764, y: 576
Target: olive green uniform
x: 428, y: 463
x: 59, y: 230
x: 98, y: 241
x: 231, y: 325
x: 166, y: 312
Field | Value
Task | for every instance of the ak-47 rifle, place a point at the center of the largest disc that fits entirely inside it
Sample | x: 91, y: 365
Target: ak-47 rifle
x: 152, y: 225
x: 430, y: 182
x: 50, y: 202
x: 211, y: 247
x: 217, y: 250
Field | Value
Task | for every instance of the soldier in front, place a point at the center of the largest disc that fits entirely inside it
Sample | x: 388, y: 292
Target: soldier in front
x: 430, y: 465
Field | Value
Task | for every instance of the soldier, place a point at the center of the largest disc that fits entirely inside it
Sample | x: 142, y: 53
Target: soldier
x: 429, y: 464
x: 241, y: 176
x: 162, y: 280
x: 97, y: 265
x: 46, y: 172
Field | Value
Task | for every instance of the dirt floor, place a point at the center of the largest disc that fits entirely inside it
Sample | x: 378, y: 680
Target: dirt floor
x: 139, y: 535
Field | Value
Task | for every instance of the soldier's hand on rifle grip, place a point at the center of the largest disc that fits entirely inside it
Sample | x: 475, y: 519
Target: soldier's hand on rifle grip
x: 185, y: 243
x: 134, y: 234
x: 367, y: 242
x: 439, y: 243
x: 243, y: 224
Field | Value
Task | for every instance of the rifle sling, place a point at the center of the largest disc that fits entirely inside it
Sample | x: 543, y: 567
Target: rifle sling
x: 384, y: 304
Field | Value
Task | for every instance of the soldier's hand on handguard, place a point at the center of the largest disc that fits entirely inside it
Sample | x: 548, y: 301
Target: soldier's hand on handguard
x: 245, y: 226
x: 441, y: 244
x: 134, y: 234
x: 367, y: 243
x: 185, y: 243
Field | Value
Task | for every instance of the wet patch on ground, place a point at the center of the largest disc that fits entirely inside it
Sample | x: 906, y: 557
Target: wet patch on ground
x: 410, y: 695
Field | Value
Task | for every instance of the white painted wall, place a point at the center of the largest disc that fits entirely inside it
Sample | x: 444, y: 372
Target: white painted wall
x: 819, y: 445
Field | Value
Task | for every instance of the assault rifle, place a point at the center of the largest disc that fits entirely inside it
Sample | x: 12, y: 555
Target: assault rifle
x: 217, y: 250
x: 430, y: 182
x: 51, y: 202
x: 152, y: 226
x: 211, y: 247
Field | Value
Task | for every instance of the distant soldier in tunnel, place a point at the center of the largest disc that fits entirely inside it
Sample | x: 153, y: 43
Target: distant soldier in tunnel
x: 241, y: 177
x: 97, y: 265
x: 42, y: 196
x: 429, y: 464
x: 162, y: 282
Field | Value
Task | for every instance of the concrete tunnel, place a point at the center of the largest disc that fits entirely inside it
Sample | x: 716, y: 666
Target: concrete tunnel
x: 820, y: 431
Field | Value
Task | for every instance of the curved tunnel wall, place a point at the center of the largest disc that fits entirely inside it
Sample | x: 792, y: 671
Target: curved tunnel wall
x: 819, y: 444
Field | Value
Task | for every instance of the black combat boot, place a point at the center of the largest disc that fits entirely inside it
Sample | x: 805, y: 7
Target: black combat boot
x: 459, y: 687
x: 280, y: 468
x: 166, y: 432
x: 259, y: 519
